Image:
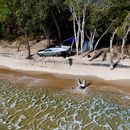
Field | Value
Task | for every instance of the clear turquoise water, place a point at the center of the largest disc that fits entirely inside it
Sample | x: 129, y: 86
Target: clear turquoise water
x: 30, y: 108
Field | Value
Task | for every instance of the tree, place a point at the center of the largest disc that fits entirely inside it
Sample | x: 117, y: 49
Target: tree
x: 26, y: 19
x: 124, y: 41
x: 78, y: 9
x: 97, y: 11
x: 8, y: 12
x: 119, y: 8
x: 54, y: 9
x: 41, y: 16
x: 111, y: 18
x: 111, y: 50
x: 123, y: 33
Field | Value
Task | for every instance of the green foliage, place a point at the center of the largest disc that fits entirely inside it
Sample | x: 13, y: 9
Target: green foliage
x: 97, y: 11
x: 8, y: 9
x: 118, y: 12
x: 123, y: 27
x: 77, y: 5
x: 8, y: 13
x: 26, y: 16
x: 107, y: 12
x: 18, y: 16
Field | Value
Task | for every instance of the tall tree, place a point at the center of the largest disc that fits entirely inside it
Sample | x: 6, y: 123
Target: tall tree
x: 8, y: 12
x: 111, y: 18
x: 97, y: 11
x: 55, y: 8
x: 123, y: 32
x: 111, y: 49
x: 27, y: 20
x: 78, y: 9
x: 41, y: 16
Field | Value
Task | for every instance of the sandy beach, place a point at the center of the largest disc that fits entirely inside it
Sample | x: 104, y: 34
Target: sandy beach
x: 101, y: 78
x: 55, y: 67
x: 58, y: 70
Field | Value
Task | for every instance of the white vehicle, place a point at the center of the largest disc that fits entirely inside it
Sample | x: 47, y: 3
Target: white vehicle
x: 56, y: 51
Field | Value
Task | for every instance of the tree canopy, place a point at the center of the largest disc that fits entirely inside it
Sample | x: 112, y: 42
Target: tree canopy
x: 54, y: 18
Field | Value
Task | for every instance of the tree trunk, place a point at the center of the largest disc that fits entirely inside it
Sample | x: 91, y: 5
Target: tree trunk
x: 111, y: 50
x: 82, y: 40
x: 27, y: 45
x: 91, y: 38
x: 123, y: 43
x: 82, y: 29
x: 102, y: 36
x: 78, y: 36
x: 57, y: 27
x: 19, y: 45
x: 122, y: 48
x: 91, y: 41
x: 75, y: 34
x: 78, y: 26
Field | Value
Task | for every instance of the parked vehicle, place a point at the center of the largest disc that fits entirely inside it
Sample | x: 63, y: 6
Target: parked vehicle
x: 63, y: 50
x: 56, y: 51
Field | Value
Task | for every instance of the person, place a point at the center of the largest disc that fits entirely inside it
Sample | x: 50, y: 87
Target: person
x: 69, y: 61
x: 82, y: 84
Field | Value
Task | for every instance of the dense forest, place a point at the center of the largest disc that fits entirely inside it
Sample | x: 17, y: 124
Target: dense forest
x: 93, y: 20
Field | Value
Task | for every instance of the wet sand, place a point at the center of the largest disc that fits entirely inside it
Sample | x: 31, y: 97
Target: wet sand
x: 31, y: 78
x: 35, y: 79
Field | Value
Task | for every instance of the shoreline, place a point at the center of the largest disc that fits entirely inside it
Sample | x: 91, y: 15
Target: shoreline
x: 101, y: 78
x: 75, y: 70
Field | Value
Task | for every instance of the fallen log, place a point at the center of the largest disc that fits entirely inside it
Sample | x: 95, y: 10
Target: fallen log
x: 126, y: 56
x: 87, y: 53
x: 98, y: 53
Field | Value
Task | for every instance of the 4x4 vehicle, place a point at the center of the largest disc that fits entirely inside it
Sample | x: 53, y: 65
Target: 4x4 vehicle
x: 56, y: 51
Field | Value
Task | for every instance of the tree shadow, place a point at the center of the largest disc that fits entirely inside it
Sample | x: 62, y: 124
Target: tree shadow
x: 116, y: 63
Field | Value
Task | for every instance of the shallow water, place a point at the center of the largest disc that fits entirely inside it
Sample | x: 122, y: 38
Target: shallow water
x: 33, y: 108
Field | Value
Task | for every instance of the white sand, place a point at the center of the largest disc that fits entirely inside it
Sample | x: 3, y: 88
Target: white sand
x: 59, y: 68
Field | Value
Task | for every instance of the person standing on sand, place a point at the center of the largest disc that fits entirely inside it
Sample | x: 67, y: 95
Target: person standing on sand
x: 69, y: 61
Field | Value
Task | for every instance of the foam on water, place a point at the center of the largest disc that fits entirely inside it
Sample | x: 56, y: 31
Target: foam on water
x: 127, y: 97
x: 48, y: 109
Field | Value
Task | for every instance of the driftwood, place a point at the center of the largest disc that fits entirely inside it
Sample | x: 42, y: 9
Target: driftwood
x: 124, y: 56
x: 97, y: 55
x: 86, y: 53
